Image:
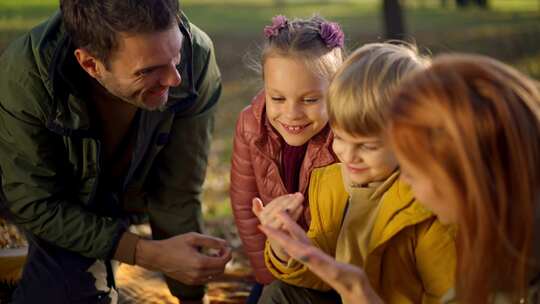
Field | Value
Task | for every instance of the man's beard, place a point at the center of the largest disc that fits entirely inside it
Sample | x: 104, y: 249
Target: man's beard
x: 114, y: 95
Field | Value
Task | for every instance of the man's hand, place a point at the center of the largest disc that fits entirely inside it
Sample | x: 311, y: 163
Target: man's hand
x: 181, y: 257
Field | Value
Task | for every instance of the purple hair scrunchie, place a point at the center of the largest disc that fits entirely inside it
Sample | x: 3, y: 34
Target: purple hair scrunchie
x: 332, y: 35
x: 278, y: 22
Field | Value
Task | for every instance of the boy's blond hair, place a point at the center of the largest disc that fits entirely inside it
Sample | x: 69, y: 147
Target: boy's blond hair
x: 361, y: 89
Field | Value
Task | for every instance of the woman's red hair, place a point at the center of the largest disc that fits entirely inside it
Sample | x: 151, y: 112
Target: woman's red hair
x: 472, y: 125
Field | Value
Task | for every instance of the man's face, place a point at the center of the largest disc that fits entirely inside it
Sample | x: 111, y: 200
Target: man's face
x: 144, y: 67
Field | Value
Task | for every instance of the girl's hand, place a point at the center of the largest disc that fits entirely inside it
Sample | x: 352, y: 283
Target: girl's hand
x: 290, y: 204
x: 267, y: 215
x: 348, y: 280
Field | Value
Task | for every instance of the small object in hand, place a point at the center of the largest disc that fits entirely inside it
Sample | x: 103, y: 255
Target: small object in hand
x: 304, y: 259
x: 211, y: 252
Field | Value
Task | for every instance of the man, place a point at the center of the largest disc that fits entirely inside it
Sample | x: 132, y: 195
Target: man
x: 105, y: 119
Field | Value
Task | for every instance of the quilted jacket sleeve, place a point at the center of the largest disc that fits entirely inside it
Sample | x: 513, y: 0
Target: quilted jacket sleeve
x: 243, y: 190
x: 295, y: 273
x: 327, y: 200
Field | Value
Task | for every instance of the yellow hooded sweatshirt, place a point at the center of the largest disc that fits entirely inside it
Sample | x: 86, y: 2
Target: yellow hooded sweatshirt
x: 409, y: 257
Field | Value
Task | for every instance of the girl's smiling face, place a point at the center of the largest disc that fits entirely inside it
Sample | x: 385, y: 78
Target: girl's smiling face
x: 295, y: 103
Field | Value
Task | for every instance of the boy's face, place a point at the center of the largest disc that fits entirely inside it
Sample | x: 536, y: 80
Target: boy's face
x: 294, y: 96
x: 365, y: 159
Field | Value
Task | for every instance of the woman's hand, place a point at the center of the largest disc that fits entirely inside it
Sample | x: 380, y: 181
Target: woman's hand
x: 349, y: 281
x: 290, y: 204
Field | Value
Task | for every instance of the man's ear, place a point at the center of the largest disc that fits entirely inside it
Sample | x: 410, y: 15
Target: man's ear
x: 93, y: 66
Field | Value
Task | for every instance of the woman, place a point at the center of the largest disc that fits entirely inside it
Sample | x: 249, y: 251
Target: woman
x: 466, y: 133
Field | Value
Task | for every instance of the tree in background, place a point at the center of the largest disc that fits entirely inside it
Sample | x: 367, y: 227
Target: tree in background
x: 464, y: 3
x: 394, y: 23
x: 482, y: 3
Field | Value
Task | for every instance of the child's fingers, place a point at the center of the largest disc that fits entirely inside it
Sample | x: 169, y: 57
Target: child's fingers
x: 322, y: 265
x: 279, y: 204
x: 272, y: 221
x: 296, y: 213
x: 265, y: 217
x: 282, y: 203
x: 257, y: 207
x: 269, y: 208
x: 339, y: 276
x: 290, y: 204
x: 293, y: 228
x: 294, y: 201
x: 293, y: 247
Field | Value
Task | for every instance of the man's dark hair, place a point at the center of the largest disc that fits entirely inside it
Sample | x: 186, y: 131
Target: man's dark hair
x: 94, y: 24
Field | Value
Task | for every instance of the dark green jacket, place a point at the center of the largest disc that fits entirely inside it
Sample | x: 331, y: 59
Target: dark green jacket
x: 50, y: 156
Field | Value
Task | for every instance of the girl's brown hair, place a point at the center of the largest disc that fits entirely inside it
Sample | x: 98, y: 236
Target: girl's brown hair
x: 302, y: 39
x: 471, y: 124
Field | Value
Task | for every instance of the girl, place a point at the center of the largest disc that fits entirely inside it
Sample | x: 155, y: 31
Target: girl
x: 466, y: 133
x: 284, y: 133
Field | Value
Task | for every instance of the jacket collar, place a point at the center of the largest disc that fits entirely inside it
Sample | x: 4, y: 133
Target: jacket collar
x: 398, y: 210
x: 258, y: 104
x: 70, y: 114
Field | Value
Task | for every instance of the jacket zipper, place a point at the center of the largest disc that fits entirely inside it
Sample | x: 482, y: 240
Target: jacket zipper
x: 98, y: 171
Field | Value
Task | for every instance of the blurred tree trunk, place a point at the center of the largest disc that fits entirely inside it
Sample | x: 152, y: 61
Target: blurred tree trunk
x: 394, y: 24
x: 444, y: 3
x: 482, y: 3
x: 462, y: 3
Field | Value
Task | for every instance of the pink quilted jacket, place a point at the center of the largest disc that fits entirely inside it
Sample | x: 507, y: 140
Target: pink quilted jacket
x: 255, y: 173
